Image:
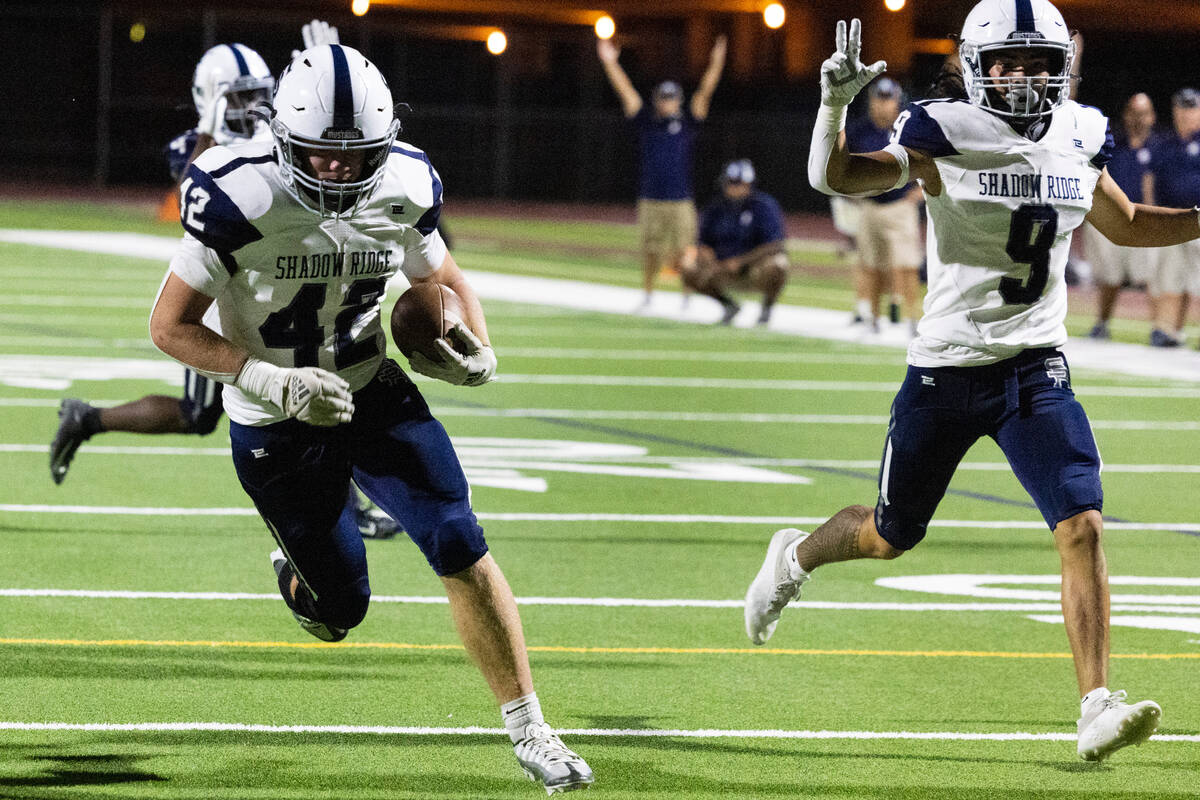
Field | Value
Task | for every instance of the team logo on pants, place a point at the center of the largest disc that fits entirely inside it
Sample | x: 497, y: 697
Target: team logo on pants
x: 1056, y: 369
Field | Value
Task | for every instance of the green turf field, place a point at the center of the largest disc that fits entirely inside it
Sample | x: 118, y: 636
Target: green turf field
x: 631, y: 558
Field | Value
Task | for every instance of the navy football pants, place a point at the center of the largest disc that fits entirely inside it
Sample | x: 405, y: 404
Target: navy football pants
x: 298, y: 476
x: 1024, y: 403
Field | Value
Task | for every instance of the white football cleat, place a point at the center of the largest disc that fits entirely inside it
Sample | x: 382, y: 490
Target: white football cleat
x: 774, y: 586
x: 1108, y: 723
x: 546, y: 760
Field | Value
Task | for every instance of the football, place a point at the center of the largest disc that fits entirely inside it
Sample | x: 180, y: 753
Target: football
x: 422, y: 314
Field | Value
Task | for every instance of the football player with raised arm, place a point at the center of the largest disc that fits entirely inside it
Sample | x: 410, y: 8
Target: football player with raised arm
x: 229, y: 81
x: 1008, y: 173
x: 293, y: 244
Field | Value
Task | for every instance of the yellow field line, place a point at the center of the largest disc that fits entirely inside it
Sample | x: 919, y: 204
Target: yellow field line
x: 583, y: 650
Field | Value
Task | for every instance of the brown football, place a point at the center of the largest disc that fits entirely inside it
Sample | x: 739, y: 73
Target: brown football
x: 420, y: 316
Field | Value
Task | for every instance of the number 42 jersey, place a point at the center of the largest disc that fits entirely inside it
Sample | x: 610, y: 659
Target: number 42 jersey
x: 1000, y: 231
x: 292, y: 288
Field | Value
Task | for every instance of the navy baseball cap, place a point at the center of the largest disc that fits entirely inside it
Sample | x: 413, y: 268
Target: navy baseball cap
x: 668, y: 90
x: 1186, y: 97
x: 740, y: 171
x: 885, y: 87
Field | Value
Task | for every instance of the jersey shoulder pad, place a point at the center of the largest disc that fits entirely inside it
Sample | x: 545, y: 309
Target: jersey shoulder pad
x: 411, y: 174
x: 223, y: 191
x: 930, y: 126
x: 1093, y: 132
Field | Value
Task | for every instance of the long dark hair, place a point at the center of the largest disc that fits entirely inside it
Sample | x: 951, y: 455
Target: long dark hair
x: 949, y: 83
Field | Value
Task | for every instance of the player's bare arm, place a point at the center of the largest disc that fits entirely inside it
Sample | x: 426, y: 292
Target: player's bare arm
x: 832, y: 168
x: 631, y: 101
x: 1132, y: 224
x: 702, y: 97
x: 177, y: 329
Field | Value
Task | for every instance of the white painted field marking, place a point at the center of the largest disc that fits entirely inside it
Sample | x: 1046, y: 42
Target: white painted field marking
x: 471, y: 730
x: 59, y: 343
x: 819, y: 323
x: 596, y: 602
x: 1146, y: 608
x: 702, y: 356
x: 499, y: 516
x: 76, y: 301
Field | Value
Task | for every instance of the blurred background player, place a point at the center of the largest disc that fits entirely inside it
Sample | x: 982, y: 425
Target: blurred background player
x: 742, y: 244
x: 1114, y: 266
x: 229, y: 81
x: 1174, y: 181
x: 666, y: 132
x: 889, y: 232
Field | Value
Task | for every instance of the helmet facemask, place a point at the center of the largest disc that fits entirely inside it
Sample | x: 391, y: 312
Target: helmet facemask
x: 1023, y: 98
x: 242, y: 96
x: 332, y: 198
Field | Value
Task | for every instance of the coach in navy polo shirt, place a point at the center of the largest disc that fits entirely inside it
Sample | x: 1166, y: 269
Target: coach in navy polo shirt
x: 1113, y: 265
x: 1174, y: 182
x: 666, y: 132
x: 889, y: 230
x: 742, y: 244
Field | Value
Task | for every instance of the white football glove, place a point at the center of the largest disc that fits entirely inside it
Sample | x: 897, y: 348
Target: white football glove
x: 843, y: 74
x: 308, y: 394
x: 474, y: 365
x: 214, y: 116
x: 316, y: 33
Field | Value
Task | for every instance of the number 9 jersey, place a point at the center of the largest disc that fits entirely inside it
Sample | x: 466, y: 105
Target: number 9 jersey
x: 291, y: 287
x: 1000, y: 231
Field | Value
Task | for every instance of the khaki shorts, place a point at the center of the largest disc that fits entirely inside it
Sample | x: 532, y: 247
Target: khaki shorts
x: 1177, y: 269
x: 668, y: 226
x: 1112, y: 264
x: 889, y: 235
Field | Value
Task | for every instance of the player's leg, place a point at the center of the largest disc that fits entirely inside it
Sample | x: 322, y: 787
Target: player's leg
x: 198, y: 411
x: 1169, y: 283
x: 404, y: 461
x: 707, y: 277
x: 1047, y: 439
x: 298, y: 476
x: 685, y: 224
x: 769, y: 275
x: 929, y: 434
x: 650, y: 226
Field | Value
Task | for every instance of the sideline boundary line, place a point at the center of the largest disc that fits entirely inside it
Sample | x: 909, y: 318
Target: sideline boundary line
x: 687, y: 651
x: 702, y: 733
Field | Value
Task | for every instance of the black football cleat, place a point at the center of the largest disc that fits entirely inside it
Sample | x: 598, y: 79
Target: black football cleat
x: 72, y: 432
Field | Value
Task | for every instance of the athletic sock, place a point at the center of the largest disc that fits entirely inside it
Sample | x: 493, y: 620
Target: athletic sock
x: 795, y: 571
x: 519, y: 713
x: 91, y: 422
x: 863, y: 309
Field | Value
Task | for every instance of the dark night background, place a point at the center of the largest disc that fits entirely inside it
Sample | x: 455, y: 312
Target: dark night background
x: 537, y: 123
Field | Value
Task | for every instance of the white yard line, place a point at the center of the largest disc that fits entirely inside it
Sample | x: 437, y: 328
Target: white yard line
x: 471, y: 730
x: 601, y: 602
x: 818, y: 323
x: 686, y: 519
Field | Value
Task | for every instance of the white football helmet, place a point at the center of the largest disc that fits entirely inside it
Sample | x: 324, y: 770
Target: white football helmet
x: 1029, y: 26
x: 238, y: 74
x: 332, y: 98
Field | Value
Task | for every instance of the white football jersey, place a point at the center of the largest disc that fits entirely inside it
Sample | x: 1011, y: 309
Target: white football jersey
x: 292, y: 288
x: 1000, y: 231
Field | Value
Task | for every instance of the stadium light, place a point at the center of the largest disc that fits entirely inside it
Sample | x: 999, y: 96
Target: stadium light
x: 893, y: 5
x: 137, y: 32
x: 605, y: 27
x: 497, y: 42
x: 774, y: 15
x: 360, y: 7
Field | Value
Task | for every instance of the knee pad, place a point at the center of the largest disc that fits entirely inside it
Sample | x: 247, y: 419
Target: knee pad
x: 344, y: 607
x: 900, y: 532
x: 454, y: 545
